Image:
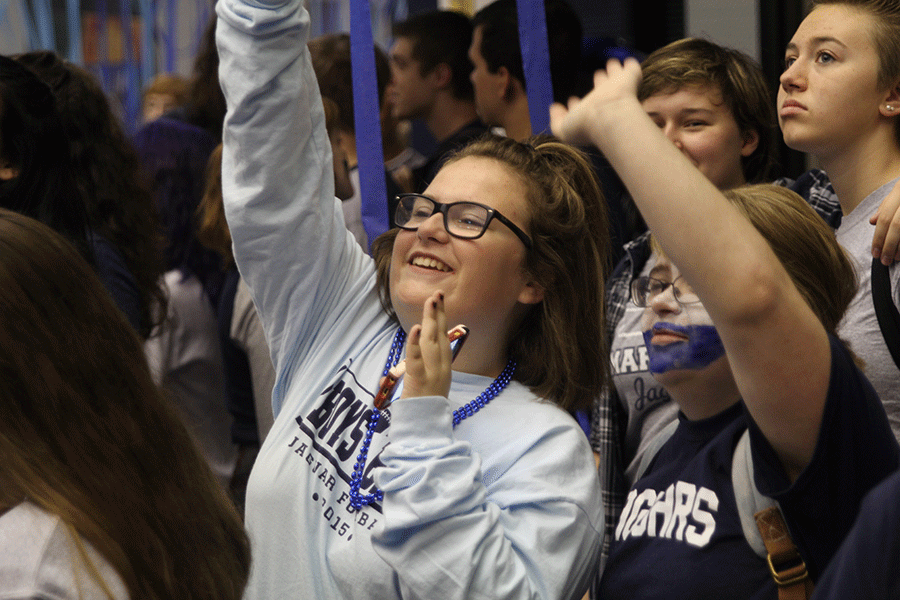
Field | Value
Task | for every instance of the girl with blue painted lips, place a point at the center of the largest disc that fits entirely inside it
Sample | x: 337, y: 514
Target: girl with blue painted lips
x: 674, y: 340
x: 740, y: 318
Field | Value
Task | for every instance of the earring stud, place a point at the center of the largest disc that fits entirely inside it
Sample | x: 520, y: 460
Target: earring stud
x: 890, y: 107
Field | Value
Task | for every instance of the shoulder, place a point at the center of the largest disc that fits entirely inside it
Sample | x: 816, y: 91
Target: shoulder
x: 815, y: 187
x: 113, y: 271
x: 39, y: 559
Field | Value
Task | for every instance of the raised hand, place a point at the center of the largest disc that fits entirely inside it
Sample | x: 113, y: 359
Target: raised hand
x: 578, y: 123
x: 886, y: 241
x: 428, y: 355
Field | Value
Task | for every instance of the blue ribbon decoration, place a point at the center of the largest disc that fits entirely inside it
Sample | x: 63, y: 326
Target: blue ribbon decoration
x: 33, y: 39
x: 171, y: 35
x: 148, y: 40
x: 366, y: 103
x: 132, y: 92
x: 73, y: 20
x: 536, y: 62
x: 46, y: 35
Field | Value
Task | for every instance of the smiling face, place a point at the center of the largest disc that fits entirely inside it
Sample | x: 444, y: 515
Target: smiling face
x: 701, y: 125
x: 829, y: 98
x: 483, y: 279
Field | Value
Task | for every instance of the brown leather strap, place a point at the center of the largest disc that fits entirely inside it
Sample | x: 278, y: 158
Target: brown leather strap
x: 785, y: 563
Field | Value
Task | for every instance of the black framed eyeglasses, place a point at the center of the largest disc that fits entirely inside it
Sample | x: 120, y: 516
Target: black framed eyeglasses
x: 645, y: 289
x: 464, y: 220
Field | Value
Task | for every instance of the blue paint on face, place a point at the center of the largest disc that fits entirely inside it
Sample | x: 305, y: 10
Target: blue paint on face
x: 702, y: 347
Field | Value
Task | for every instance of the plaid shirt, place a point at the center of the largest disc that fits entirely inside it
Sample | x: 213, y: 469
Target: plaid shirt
x: 608, y: 417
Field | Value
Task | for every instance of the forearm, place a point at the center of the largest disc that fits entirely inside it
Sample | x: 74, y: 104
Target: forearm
x: 525, y: 535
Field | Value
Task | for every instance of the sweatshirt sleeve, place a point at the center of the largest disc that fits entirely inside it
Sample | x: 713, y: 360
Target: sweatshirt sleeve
x: 528, y: 527
x: 290, y: 243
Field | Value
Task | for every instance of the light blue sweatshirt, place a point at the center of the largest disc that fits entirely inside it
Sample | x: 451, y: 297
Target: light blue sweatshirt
x: 507, y: 505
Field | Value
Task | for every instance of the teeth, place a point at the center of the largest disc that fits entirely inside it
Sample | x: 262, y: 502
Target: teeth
x: 430, y: 263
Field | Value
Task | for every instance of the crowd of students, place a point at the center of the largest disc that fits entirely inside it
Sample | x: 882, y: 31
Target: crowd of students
x: 206, y: 359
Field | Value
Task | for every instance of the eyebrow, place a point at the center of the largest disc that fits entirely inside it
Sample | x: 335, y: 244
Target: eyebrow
x: 660, y: 268
x: 817, y: 41
x: 686, y: 111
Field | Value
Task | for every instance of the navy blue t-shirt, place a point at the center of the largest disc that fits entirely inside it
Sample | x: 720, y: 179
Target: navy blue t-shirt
x: 867, y: 564
x: 680, y: 535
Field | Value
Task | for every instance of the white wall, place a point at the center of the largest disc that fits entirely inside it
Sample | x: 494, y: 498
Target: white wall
x: 732, y: 23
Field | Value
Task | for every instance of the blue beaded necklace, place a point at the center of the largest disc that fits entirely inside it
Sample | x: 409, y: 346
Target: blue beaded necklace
x: 358, y: 500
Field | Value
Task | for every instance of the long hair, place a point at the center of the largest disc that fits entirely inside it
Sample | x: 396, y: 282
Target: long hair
x: 886, y: 37
x: 108, y: 175
x: 86, y: 435
x: 559, y: 347
x: 740, y: 81
x: 175, y: 155
x: 205, y: 103
x: 212, y: 229
x: 33, y: 143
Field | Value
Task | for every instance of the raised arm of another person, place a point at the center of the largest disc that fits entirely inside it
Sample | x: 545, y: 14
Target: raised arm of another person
x: 778, y: 349
x: 886, y: 240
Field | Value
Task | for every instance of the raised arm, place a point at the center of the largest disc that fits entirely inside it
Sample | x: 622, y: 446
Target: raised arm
x: 290, y: 242
x: 778, y: 350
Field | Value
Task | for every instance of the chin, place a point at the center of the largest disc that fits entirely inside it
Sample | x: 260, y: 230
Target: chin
x: 797, y: 141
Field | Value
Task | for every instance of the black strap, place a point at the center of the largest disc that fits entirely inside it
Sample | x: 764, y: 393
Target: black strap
x: 885, y: 309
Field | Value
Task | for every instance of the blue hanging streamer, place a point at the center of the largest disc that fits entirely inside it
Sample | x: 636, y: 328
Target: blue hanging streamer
x: 44, y: 14
x: 73, y: 20
x: 34, y: 42
x: 132, y: 91
x: 171, y: 35
x: 103, y: 63
x: 373, y: 188
x: 148, y: 41
x: 536, y: 62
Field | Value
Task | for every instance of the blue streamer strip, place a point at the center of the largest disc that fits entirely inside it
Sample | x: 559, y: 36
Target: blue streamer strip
x: 73, y: 19
x: 171, y: 36
x: 103, y: 45
x: 131, y: 100
x: 536, y: 62
x: 33, y: 39
x: 44, y: 13
x: 373, y: 188
x: 148, y: 41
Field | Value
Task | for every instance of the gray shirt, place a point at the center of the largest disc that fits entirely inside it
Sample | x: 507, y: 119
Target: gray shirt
x: 859, y: 327
x: 645, y: 400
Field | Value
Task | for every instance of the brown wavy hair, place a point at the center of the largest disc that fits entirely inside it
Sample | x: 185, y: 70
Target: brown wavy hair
x: 559, y: 347
x: 109, y: 176
x: 86, y: 435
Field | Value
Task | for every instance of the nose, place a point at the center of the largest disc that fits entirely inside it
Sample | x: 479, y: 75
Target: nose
x: 672, y: 133
x: 433, y: 228
x: 664, y: 303
x: 793, y: 78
